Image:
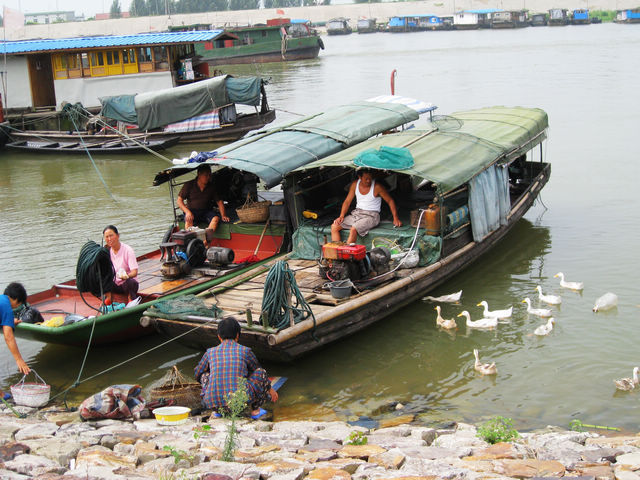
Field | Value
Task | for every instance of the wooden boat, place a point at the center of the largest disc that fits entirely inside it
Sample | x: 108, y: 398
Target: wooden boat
x: 338, y: 26
x: 492, y: 150
x: 107, y: 147
x: 558, y: 17
x: 539, y: 19
x: 367, y: 25
x: 267, y: 156
x: 197, y: 112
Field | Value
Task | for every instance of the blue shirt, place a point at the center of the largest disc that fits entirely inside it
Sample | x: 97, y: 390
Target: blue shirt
x: 6, y: 312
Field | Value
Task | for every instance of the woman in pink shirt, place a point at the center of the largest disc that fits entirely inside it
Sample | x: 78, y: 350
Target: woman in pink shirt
x: 124, y: 263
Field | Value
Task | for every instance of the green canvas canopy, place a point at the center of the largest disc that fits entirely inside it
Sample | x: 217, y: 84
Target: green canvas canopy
x: 454, y: 149
x: 155, y: 109
x: 272, y: 154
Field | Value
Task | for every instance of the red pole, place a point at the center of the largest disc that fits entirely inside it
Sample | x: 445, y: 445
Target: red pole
x: 393, y: 81
x: 1, y: 110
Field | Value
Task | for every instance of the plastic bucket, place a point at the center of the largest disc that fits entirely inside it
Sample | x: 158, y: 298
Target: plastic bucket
x: 171, y: 415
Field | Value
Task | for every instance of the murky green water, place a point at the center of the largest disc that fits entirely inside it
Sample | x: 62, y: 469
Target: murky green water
x: 584, y: 77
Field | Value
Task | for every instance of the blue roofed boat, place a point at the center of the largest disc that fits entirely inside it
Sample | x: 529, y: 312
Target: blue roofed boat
x: 630, y: 15
x: 580, y: 16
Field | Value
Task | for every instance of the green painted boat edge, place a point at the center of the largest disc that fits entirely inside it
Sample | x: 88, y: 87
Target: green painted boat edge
x: 111, y: 324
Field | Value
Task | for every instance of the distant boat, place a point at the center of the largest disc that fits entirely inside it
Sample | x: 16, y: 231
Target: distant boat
x: 281, y: 39
x: 510, y: 19
x: 338, y: 26
x: 558, y: 17
x: 538, y: 20
x: 367, y: 25
x: 580, y: 17
x: 630, y: 15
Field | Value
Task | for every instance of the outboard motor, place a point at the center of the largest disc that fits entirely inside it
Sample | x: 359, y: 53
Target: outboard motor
x: 189, y: 243
x: 344, y: 261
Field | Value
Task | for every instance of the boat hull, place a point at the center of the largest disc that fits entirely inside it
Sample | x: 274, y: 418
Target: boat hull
x: 296, y: 49
x: 244, y: 124
x: 348, y: 318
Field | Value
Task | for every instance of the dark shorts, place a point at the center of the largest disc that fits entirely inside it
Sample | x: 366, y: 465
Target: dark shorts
x: 203, y: 216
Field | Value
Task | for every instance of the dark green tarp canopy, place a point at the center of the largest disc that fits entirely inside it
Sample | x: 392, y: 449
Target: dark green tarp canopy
x: 156, y: 109
x: 272, y: 154
x: 458, y: 147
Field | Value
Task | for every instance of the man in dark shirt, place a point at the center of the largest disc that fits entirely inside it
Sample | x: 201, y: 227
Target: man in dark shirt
x: 196, y: 200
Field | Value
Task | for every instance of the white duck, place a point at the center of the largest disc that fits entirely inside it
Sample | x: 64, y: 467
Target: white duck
x: 451, y: 298
x: 495, y: 313
x: 540, y: 312
x: 570, y: 285
x: 482, y: 323
x: 546, y: 328
x: 628, y: 384
x: 550, y: 299
x: 448, y: 324
x: 484, y: 368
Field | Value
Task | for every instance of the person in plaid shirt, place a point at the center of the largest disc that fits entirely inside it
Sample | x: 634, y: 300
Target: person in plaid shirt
x: 221, y: 368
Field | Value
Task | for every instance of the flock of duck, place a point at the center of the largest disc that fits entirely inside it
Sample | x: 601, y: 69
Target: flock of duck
x: 491, y: 318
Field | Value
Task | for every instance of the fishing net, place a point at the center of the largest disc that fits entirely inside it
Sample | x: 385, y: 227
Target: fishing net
x: 445, y: 123
x: 176, y: 389
x: 185, y: 305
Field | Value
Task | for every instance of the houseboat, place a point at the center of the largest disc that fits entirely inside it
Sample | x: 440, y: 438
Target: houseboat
x: 631, y: 15
x: 510, y: 19
x: 338, y: 26
x: 558, y: 17
x: 580, y: 16
x: 280, y: 40
x: 473, y: 19
x: 435, y: 22
x: 367, y: 25
x: 459, y: 186
x: 539, y: 20
x: 267, y: 156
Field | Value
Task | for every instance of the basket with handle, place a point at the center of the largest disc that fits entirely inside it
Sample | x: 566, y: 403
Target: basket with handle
x: 31, y: 394
x: 253, y: 212
x: 181, y: 390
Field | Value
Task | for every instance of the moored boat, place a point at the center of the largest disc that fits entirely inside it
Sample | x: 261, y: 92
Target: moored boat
x: 462, y: 184
x: 338, y: 26
x: 106, y: 147
x: 367, y: 25
x: 539, y: 20
x: 558, y: 17
x: 580, y: 16
x: 268, y: 156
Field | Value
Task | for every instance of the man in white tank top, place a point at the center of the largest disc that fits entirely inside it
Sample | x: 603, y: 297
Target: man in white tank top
x: 369, y: 196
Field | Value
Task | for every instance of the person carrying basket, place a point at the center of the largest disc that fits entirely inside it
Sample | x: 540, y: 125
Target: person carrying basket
x: 14, y: 296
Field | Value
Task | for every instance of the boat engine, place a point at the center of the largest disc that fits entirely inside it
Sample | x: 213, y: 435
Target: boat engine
x: 181, y: 253
x: 193, y: 247
x: 220, y: 256
x: 341, y: 261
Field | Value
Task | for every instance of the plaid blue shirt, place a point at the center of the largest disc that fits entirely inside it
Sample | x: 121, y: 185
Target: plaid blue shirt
x: 226, y: 363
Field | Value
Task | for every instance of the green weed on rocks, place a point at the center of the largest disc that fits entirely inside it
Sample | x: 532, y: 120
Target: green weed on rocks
x: 498, y: 429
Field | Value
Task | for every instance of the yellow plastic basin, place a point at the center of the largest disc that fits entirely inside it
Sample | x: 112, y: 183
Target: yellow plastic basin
x: 171, y: 415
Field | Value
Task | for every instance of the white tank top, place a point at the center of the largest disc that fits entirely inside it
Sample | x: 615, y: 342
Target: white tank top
x: 368, y: 201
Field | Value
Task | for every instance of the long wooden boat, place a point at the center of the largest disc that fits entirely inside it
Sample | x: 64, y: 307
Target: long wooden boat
x: 339, y: 26
x: 267, y: 156
x: 106, y: 147
x: 198, y: 112
x: 482, y: 169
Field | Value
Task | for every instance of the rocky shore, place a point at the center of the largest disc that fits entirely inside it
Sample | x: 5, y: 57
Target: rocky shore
x: 57, y: 445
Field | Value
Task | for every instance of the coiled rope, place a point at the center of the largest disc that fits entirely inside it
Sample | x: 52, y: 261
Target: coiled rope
x: 94, y: 271
x: 279, y: 286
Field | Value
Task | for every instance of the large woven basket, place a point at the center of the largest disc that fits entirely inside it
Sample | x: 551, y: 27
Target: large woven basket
x: 179, y: 389
x: 253, y: 212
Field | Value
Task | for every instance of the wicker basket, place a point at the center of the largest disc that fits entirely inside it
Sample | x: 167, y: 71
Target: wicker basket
x: 253, y: 212
x: 30, y: 394
x: 177, y: 388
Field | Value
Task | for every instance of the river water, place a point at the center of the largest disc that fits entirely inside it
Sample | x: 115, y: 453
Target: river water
x: 585, y: 226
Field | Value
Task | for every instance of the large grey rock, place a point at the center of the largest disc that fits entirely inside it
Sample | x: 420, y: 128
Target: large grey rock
x: 424, y: 433
x: 336, y: 431
x: 630, y: 460
x: 299, y: 427
x: 231, y: 469
x: 392, y: 441
x: 74, y: 429
x: 398, y: 431
x: 34, y: 465
x: 103, y: 457
x: 9, y: 475
x: 159, y: 467
x: 434, y: 453
x: 439, y: 468
x: 100, y: 472
x: 286, y: 440
x: 292, y: 475
x: 38, y: 430
x: 61, y: 450
x: 7, y: 429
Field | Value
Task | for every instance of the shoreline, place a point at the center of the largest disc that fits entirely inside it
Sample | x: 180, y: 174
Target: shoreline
x: 51, y: 444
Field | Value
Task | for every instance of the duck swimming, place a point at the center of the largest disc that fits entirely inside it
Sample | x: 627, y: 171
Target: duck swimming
x: 495, y: 313
x: 451, y: 298
x: 482, y: 323
x: 448, y: 324
x: 550, y: 299
x: 546, y: 328
x: 569, y: 285
x: 484, y: 368
x: 540, y: 312
x: 628, y: 384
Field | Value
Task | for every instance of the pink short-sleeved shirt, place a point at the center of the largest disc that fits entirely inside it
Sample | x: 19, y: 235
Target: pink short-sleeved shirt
x: 124, y: 259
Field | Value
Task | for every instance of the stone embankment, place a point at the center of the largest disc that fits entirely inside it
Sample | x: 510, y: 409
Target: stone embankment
x: 59, y: 446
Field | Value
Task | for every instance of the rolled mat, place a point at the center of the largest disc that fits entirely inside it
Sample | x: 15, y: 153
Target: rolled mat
x: 458, y: 217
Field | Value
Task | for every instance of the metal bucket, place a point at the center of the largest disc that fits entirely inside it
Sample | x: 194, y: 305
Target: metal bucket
x: 340, y: 289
